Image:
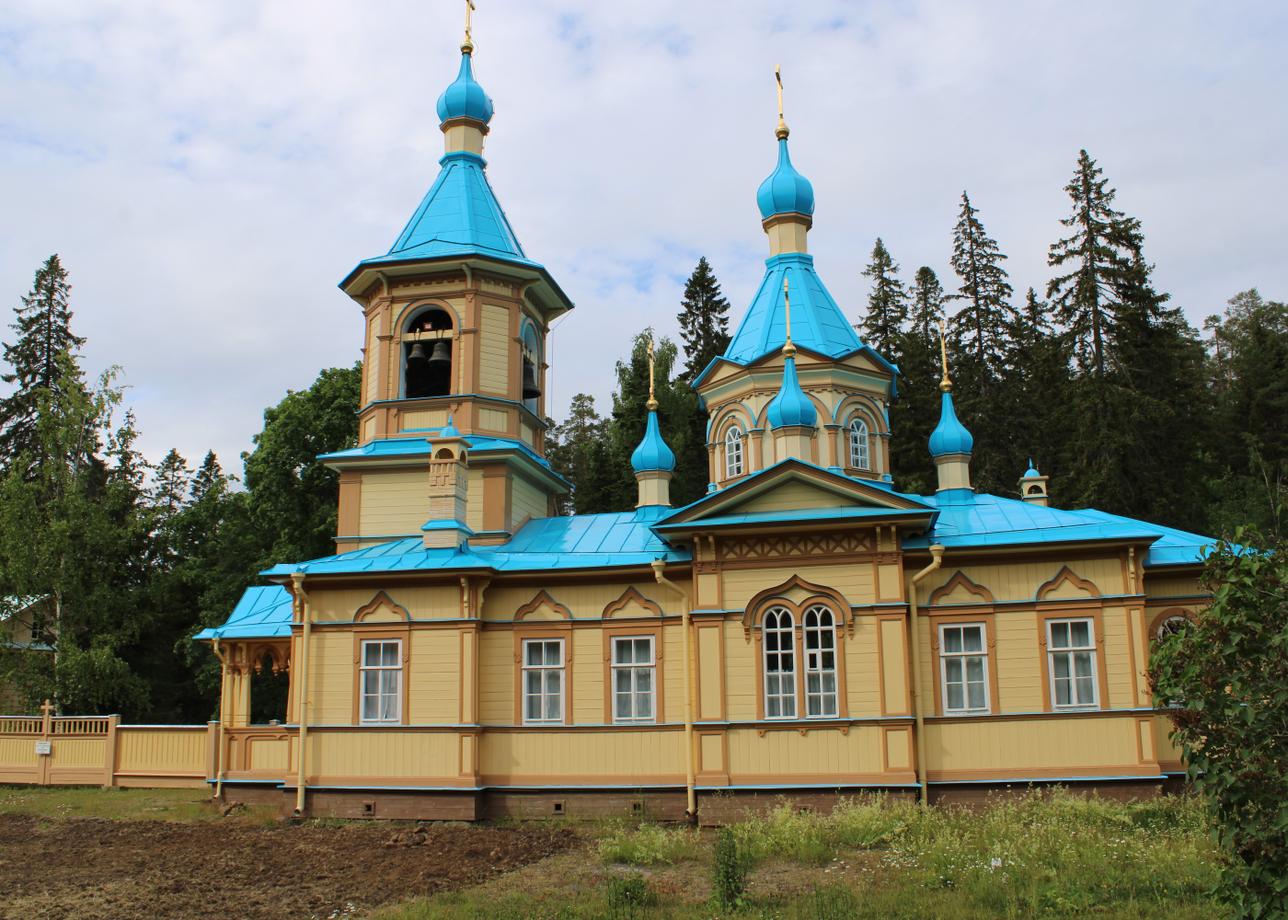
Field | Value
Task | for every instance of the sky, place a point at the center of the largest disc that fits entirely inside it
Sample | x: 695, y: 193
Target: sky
x: 208, y: 172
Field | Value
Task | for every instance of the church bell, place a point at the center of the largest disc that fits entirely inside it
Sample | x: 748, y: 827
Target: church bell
x: 530, y: 388
x: 441, y: 356
x: 417, y: 354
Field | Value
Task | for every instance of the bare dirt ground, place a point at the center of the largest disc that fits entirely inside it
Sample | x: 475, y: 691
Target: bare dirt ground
x: 128, y: 870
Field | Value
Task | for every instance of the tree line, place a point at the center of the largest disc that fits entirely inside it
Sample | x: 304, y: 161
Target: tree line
x: 1125, y: 405
x: 1093, y: 374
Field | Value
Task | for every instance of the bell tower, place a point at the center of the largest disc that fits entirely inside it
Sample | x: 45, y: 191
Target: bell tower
x: 456, y: 317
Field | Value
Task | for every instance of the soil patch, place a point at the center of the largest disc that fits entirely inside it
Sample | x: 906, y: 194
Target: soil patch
x: 92, y: 868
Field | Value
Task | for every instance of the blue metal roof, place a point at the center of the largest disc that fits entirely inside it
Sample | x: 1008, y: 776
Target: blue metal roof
x: 459, y: 216
x: 464, y: 98
x: 785, y: 190
x: 264, y: 612
x: 419, y: 446
x: 818, y: 325
x: 950, y: 435
x: 790, y: 406
x: 653, y: 453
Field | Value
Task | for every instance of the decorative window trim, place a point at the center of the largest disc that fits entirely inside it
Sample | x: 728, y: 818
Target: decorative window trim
x: 756, y: 607
x: 987, y: 621
x: 1171, y: 613
x: 1099, y: 675
x: 753, y: 620
x: 365, y: 632
x: 527, y: 631
x: 400, y: 670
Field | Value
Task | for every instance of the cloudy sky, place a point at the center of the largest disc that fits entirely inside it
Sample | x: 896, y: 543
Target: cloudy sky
x: 210, y: 171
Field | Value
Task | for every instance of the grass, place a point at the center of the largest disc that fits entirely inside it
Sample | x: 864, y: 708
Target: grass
x: 1053, y: 855
x: 185, y: 805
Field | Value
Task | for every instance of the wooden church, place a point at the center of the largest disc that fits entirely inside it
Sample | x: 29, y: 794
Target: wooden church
x: 802, y: 630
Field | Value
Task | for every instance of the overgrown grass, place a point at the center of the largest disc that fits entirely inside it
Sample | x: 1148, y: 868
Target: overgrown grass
x: 119, y: 804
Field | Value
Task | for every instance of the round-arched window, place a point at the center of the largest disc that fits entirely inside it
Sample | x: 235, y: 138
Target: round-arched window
x: 733, y: 452
x: 427, y: 342
x: 860, y: 457
x: 780, y: 664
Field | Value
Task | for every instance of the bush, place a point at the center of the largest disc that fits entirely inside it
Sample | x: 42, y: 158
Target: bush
x: 650, y: 845
x: 730, y: 871
x: 628, y: 893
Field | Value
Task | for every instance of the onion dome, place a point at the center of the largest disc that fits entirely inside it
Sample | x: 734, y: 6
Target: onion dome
x: 785, y: 191
x: 791, y: 407
x: 950, y: 436
x: 1032, y: 471
x: 653, y: 455
x: 464, y: 98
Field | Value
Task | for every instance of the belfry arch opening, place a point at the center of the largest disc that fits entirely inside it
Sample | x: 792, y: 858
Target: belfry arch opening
x: 428, y: 353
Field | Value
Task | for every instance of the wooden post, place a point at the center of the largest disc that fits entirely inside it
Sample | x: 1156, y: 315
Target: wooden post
x: 212, y: 749
x: 46, y: 735
x: 109, y: 752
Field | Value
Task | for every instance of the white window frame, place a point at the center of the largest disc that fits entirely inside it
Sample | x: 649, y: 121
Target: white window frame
x: 1070, y: 653
x: 379, y: 672
x: 819, y: 625
x: 860, y: 449
x: 782, y: 637
x: 734, y: 453
x: 544, y: 692
x: 636, y: 673
x: 945, y: 657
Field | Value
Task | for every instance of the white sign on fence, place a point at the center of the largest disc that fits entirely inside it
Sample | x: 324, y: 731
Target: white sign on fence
x: 44, y: 748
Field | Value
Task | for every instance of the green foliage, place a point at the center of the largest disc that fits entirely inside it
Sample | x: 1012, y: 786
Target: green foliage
x: 626, y: 895
x: 650, y: 845
x: 729, y: 882
x: 887, y: 305
x: 1224, y: 681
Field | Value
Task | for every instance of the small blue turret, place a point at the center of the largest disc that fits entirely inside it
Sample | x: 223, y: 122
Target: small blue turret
x: 785, y: 191
x: 790, y: 407
x: 464, y: 98
x: 653, y: 455
x: 950, y: 435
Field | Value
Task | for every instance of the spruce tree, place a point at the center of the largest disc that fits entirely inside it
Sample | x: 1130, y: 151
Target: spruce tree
x: 980, y: 327
x: 915, y: 413
x: 1097, y: 259
x: 577, y: 451
x: 704, y: 320
x: 887, y: 305
x: 43, y: 327
x: 1034, y: 392
x: 980, y: 333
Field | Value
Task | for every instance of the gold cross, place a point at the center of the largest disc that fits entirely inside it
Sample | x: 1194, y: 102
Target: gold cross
x: 652, y: 400
x: 468, y: 44
x: 945, y: 384
x: 781, y: 131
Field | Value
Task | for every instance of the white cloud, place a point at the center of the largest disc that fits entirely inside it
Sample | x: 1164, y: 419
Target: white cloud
x: 210, y: 171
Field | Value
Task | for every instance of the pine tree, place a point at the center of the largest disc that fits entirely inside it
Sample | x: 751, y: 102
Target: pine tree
x: 1098, y: 256
x: 704, y: 320
x: 887, y: 305
x: 915, y: 413
x: 43, y: 325
x: 577, y: 451
x: 980, y: 326
x: 1034, y: 392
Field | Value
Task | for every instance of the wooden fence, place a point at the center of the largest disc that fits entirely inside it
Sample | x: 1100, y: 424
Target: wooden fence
x: 49, y: 750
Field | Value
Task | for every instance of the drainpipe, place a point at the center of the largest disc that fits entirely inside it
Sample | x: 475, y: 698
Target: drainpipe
x: 297, y: 584
x: 223, y: 717
x: 690, y: 798
x: 914, y: 645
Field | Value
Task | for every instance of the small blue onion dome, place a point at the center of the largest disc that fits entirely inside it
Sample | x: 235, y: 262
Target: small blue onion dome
x: 653, y: 455
x: 464, y: 98
x: 791, y: 407
x: 785, y: 191
x: 950, y: 436
x: 449, y: 430
x: 1032, y: 471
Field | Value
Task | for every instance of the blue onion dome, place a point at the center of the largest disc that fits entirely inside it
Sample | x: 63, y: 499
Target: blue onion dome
x: 791, y: 407
x: 1032, y: 471
x: 785, y: 191
x: 464, y: 98
x: 950, y: 436
x: 653, y: 455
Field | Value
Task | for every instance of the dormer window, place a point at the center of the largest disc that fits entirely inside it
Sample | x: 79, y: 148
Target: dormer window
x: 860, y: 457
x: 427, y: 344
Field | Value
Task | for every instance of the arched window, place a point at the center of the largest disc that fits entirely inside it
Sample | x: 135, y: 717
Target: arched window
x: 427, y: 344
x: 820, y: 663
x: 1173, y: 624
x: 733, y: 452
x: 530, y: 368
x: 859, y: 456
x: 780, y: 664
